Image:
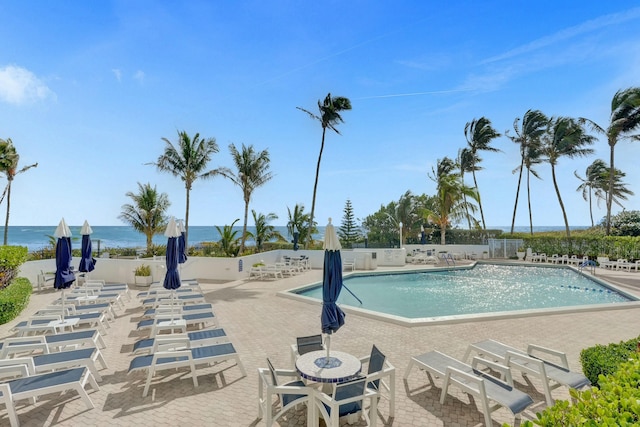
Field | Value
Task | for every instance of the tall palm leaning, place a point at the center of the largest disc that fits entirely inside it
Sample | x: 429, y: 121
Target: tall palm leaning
x: 565, y: 137
x: 187, y: 160
x: 147, y: 213
x: 620, y: 189
x: 592, y: 184
x: 479, y: 134
x: 253, y: 172
x: 534, y: 123
x: 625, y: 119
x: 329, y: 118
x: 9, y: 159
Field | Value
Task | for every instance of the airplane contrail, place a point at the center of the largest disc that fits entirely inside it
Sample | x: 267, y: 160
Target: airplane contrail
x: 398, y: 95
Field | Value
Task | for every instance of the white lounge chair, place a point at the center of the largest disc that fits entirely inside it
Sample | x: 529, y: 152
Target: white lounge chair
x: 190, y: 358
x: 349, y: 264
x: 484, y: 387
x: 161, y: 321
x: 181, y: 309
x: 86, y: 356
x: 551, y: 375
x: 46, y: 343
x: 192, y: 340
x: 177, y: 298
x: 31, y: 387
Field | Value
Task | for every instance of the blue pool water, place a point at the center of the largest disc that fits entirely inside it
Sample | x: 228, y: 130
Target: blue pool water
x: 485, y: 288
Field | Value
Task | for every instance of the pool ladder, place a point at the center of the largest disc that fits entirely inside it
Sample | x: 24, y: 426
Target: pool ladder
x: 591, y: 265
x: 449, y: 257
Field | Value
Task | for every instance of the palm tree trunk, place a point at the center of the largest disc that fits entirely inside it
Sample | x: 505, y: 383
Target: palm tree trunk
x: 612, y: 144
x: 186, y: 223
x: 564, y: 213
x: 244, y: 227
x: 443, y: 236
x: 590, y: 208
x: 529, y: 201
x: 475, y: 184
x: 315, y: 189
x: 6, y: 220
x: 466, y: 207
x: 515, y: 205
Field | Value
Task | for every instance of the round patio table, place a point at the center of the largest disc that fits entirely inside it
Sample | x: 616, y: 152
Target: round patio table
x: 340, y: 367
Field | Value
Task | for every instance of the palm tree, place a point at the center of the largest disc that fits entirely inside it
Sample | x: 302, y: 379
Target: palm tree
x: 534, y: 124
x: 565, y: 137
x: 148, y: 212
x: 188, y: 160
x: 265, y: 232
x: 624, y: 120
x: 467, y: 164
x: 253, y: 172
x: 451, y: 196
x: 329, y: 118
x: 403, y: 212
x: 620, y: 189
x: 9, y: 159
x: 297, y: 221
x: 228, y: 240
x: 593, y: 182
x: 479, y: 134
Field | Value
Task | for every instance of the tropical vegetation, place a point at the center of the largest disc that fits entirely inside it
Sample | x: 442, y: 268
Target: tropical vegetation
x: 348, y: 231
x: 9, y: 159
x: 253, y: 172
x: 329, y: 117
x: 188, y: 160
x: 147, y: 213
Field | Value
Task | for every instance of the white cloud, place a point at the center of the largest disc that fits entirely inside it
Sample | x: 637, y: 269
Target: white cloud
x: 20, y: 86
x: 118, y: 73
x: 139, y: 75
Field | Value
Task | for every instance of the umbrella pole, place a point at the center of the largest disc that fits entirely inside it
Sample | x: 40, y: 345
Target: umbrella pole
x: 328, y: 343
x: 63, y: 304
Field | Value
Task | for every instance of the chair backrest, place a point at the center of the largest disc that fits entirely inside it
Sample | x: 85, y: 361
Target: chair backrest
x: 376, y: 363
x: 348, y: 391
x: 272, y: 370
x: 309, y: 343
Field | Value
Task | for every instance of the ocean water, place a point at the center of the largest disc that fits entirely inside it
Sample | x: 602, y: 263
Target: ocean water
x: 38, y: 237
x: 122, y: 236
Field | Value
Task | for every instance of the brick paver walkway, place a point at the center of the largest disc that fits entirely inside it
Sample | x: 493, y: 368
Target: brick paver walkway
x: 262, y: 324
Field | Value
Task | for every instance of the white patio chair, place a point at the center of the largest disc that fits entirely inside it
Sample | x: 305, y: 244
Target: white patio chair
x: 381, y: 377
x: 347, y: 399
x: 289, y: 394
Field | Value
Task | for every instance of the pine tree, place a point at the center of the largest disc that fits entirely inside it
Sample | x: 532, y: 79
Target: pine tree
x: 349, y: 232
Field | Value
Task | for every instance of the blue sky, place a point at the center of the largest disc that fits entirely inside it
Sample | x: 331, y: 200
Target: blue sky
x: 88, y: 89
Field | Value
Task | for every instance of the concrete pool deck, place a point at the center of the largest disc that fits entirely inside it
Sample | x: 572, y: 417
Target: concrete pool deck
x: 262, y: 324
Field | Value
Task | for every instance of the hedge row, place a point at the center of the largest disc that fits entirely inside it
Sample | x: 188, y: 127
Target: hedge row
x: 606, y: 359
x: 592, y: 246
x: 14, y: 298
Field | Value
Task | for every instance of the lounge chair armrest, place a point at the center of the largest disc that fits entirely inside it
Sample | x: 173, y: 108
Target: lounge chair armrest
x: 505, y: 371
x: 526, y: 363
x: 452, y: 375
x: 20, y: 369
x: 561, y: 355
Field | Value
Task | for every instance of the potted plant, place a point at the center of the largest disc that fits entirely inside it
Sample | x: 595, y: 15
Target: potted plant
x: 142, y: 275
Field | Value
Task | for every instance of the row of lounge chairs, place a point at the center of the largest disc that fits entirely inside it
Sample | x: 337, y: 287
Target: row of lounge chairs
x: 287, y: 266
x: 604, y: 262
x: 489, y: 391
x: 180, y: 310
x: 34, y: 364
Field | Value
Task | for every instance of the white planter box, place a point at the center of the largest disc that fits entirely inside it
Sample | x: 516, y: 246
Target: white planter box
x: 143, y: 280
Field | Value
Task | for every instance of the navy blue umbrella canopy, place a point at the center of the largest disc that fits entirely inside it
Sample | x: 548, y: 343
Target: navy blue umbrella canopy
x: 182, y: 244
x: 332, y: 316
x: 87, y: 262
x: 423, y: 236
x: 64, y: 276
x: 172, y: 278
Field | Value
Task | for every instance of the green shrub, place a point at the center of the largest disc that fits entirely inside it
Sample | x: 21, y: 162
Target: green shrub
x: 14, y: 298
x: 142, y: 270
x: 615, y: 403
x: 605, y: 359
x: 11, y: 258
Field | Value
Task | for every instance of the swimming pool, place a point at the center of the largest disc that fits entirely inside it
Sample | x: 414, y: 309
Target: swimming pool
x: 480, y: 291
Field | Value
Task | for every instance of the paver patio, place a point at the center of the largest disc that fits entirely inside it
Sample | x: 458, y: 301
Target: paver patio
x: 262, y: 324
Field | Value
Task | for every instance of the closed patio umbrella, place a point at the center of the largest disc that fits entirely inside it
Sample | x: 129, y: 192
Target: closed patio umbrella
x: 87, y: 262
x: 172, y: 278
x: 182, y: 244
x: 332, y: 316
x: 64, y: 276
x: 423, y: 236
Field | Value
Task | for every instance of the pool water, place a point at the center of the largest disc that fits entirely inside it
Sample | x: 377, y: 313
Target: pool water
x: 485, y: 288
